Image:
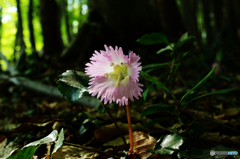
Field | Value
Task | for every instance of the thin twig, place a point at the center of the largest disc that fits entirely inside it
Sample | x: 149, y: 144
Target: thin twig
x: 116, y: 125
x: 91, y: 149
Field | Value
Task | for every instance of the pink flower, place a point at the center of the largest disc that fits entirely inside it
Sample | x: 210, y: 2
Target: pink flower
x: 218, y: 68
x: 114, y: 75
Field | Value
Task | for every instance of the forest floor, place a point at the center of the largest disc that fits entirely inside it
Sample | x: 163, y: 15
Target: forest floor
x: 210, y: 123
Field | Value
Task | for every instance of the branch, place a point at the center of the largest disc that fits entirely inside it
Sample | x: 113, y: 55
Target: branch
x: 46, y: 89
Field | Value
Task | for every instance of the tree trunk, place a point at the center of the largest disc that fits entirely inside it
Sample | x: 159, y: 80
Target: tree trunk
x: 190, y: 18
x: 0, y: 29
x: 231, y: 20
x: 66, y: 19
x: 237, y: 16
x: 170, y: 18
x: 206, y: 15
x: 19, y: 37
x: 118, y: 22
x: 30, y: 25
x: 217, y: 10
x: 50, y: 21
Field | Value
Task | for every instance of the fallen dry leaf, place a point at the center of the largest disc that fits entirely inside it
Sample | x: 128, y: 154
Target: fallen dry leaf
x: 142, y: 142
x: 71, y: 152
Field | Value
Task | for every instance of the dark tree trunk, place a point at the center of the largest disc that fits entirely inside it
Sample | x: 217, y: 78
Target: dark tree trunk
x: 170, y: 18
x: 0, y: 28
x: 19, y: 35
x: 231, y: 19
x: 206, y: 15
x: 190, y: 18
x: 217, y: 10
x: 118, y: 22
x: 30, y: 25
x: 66, y: 19
x: 237, y: 16
x: 50, y: 21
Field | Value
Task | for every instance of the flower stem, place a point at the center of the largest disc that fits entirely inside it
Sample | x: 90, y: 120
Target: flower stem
x: 129, y: 128
x: 115, y: 125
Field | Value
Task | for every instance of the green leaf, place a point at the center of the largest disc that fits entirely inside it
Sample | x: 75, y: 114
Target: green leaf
x: 168, y: 47
x: 156, y: 108
x: 184, y: 41
x: 153, y: 80
x: 97, y: 122
x: 156, y: 121
x: 145, y: 93
x: 199, y: 83
x: 26, y: 153
x: 153, y: 38
x: 73, y: 85
x: 85, y: 126
x: 70, y: 93
x: 83, y: 129
x: 224, y: 91
x: 184, y: 38
x: 155, y: 65
x: 73, y: 78
x: 169, y: 144
x: 59, y: 142
x: 50, y: 138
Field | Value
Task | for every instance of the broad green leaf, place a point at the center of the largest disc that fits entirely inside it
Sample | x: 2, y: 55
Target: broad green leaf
x: 28, y: 151
x: 73, y: 85
x: 224, y: 91
x: 184, y: 36
x: 153, y: 80
x: 74, y: 78
x: 156, y: 121
x: 199, y: 83
x: 168, y: 47
x: 145, y: 93
x: 155, y: 65
x: 169, y: 144
x: 156, y: 108
x: 85, y: 126
x: 25, y: 153
x: 97, y: 121
x: 153, y: 38
x: 180, y: 43
x: 70, y: 93
x: 50, y: 138
x: 59, y: 142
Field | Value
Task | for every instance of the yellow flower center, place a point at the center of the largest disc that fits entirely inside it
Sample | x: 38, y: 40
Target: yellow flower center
x: 120, y: 73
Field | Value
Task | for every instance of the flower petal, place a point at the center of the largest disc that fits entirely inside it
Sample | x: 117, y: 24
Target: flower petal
x: 102, y: 64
